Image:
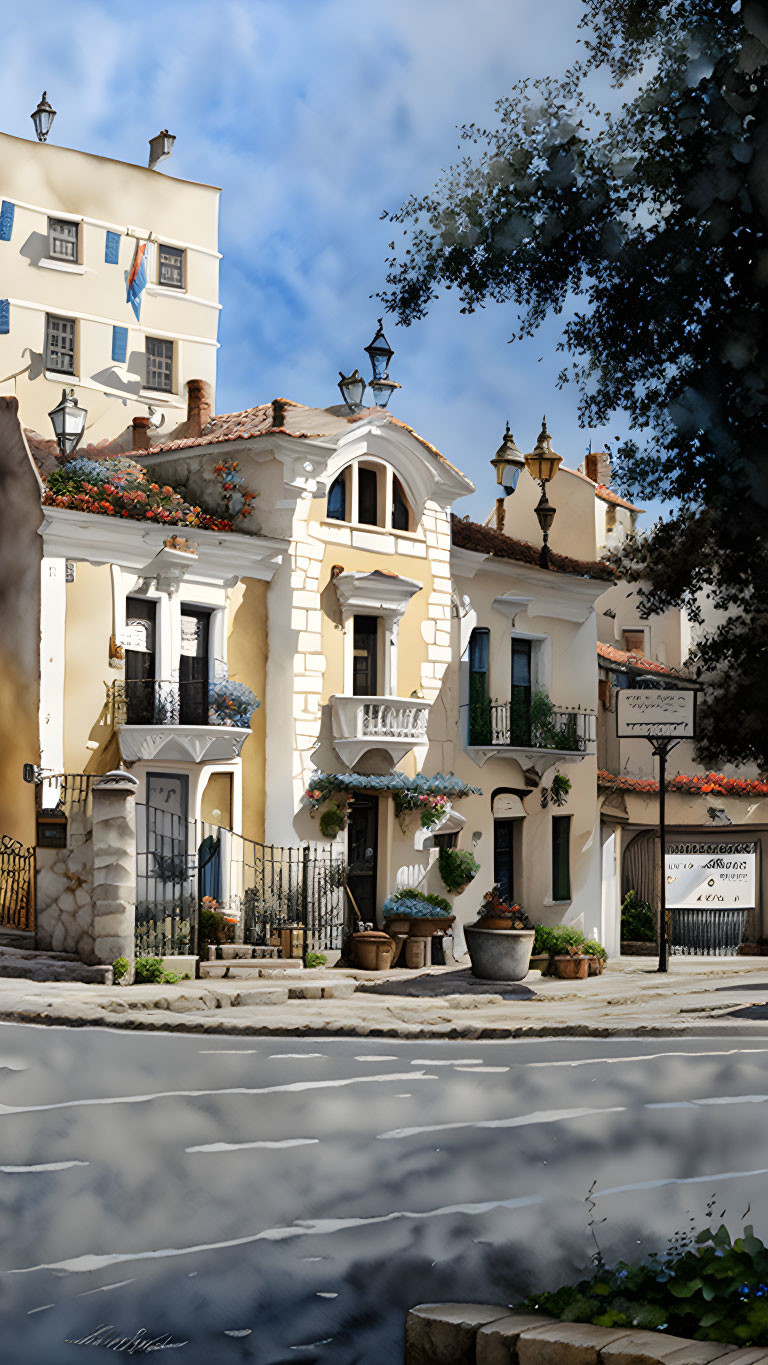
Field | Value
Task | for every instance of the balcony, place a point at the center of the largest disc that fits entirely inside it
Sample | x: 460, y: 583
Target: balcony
x: 197, y: 722
x: 390, y: 725
x: 531, y: 730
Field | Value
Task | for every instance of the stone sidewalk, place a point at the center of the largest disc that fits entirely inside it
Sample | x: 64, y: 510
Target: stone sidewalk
x: 629, y: 999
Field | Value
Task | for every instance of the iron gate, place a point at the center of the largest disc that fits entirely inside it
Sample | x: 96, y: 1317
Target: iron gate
x: 261, y: 887
x: 706, y: 933
x: 16, y: 885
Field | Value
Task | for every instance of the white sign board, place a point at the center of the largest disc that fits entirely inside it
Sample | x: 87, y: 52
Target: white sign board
x: 711, y: 877
x: 655, y: 713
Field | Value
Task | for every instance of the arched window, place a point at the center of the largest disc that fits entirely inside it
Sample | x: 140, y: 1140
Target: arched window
x: 337, y: 499
x: 479, y: 699
x: 401, y: 515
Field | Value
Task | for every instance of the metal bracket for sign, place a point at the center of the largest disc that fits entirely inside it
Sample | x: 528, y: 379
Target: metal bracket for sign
x: 663, y: 732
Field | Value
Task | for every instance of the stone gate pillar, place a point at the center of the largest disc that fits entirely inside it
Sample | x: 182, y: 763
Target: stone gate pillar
x: 114, y: 866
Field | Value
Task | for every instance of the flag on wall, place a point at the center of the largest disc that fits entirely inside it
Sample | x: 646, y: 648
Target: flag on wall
x: 136, y: 281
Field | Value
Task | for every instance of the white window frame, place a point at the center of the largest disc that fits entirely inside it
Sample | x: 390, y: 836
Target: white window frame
x: 51, y: 318
x: 182, y: 255
x: 385, y: 475
x: 56, y: 235
x: 163, y: 341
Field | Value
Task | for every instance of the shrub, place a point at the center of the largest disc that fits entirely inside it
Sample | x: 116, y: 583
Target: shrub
x: 214, y: 928
x: 709, y: 1287
x: 457, y: 867
x: 315, y: 960
x: 557, y: 939
x: 150, y: 969
x: 415, y: 907
x: 412, y: 893
x: 638, y: 921
x: 595, y: 949
x: 120, y: 968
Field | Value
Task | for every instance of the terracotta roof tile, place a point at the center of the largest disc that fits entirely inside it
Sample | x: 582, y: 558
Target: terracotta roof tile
x: 703, y: 784
x: 469, y: 535
x: 631, y: 659
x: 608, y: 495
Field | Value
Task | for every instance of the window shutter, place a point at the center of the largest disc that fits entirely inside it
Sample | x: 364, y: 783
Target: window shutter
x: 5, y: 317
x: 112, y: 249
x: 119, y: 344
x: 7, y: 210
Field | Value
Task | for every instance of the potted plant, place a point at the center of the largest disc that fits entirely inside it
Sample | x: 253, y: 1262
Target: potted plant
x: 417, y: 913
x: 597, y: 956
x: 568, y: 958
x: 332, y: 819
x: 457, y: 868
x: 500, y: 943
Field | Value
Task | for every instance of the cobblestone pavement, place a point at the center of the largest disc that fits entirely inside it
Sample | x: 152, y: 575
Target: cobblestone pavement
x: 631, y: 997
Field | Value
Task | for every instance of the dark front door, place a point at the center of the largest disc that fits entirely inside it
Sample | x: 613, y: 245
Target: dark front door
x: 365, y: 668
x: 140, y: 661
x: 362, y: 861
x: 503, y: 858
x: 193, y: 667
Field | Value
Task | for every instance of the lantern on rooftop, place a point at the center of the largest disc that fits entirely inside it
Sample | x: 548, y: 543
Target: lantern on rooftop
x: 382, y: 390
x: 68, y: 421
x: 352, y: 388
x: 542, y: 464
x: 43, y: 118
x: 379, y: 353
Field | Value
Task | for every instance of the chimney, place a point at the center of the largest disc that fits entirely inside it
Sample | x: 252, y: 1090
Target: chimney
x: 198, y: 407
x: 140, y: 433
x: 160, y: 147
x: 590, y: 467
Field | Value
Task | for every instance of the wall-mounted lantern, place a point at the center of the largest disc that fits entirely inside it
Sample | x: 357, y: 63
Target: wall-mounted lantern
x: 43, y: 118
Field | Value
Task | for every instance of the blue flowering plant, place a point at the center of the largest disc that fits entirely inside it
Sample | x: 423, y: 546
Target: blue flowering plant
x: 709, y: 1287
x: 231, y: 703
x: 410, y: 903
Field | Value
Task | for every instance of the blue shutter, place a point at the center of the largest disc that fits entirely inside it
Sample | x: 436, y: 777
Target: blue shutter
x: 112, y: 248
x: 7, y: 210
x: 119, y: 343
x: 5, y: 316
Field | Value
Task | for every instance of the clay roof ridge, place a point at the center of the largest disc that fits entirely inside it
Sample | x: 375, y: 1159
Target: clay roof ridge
x: 470, y: 535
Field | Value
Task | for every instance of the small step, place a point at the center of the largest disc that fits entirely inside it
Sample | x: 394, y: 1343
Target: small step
x: 250, y: 966
x: 52, y: 967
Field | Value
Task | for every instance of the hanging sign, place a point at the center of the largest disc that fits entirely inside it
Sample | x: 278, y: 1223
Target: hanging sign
x: 711, y: 876
x: 655, y: 713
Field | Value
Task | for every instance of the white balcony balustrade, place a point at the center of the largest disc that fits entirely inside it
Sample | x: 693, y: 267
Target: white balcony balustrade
x: 392, y: 725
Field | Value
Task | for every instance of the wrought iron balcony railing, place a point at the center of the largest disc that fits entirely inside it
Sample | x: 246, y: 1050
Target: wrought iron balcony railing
x: 509, y: 725
x: 161, y: 702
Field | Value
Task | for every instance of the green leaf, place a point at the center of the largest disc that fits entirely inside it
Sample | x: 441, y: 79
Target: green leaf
x: 684, y: 1289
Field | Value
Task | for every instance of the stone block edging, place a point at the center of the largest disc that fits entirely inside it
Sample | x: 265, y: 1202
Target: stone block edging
x: 489, y: 1334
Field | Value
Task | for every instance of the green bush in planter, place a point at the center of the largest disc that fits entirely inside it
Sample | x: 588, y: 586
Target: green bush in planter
x: 557, y: 939
x: 332, y: 820
x: 594, y: 949
x: 457, y: 867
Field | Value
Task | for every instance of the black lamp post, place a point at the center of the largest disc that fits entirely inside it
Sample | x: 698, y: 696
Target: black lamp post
x: 542, y: 464
x: 353, y: 386
x: 508, y: 462
x: 68, y: 422
x: 43, y: 118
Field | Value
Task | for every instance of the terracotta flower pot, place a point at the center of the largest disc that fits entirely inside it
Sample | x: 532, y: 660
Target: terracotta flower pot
x: 373, y: 950
x: 425, y: 928
x: 398, y: 924
x: 571, y: 968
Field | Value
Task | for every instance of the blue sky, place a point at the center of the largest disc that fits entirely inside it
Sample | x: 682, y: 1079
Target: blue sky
x: 314, y: 116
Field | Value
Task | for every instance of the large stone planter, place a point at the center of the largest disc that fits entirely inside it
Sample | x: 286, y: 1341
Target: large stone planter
x: 499, y: 954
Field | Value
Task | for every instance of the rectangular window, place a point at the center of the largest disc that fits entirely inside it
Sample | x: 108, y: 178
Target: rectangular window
x: 60, y: 344
x: 62, y: 240
x: 159, y: 365
x: 503, y: 858
x: 5, y: 316
x: 112, y: 248
x: 119, y: 344
x: 171, y: 269
x: 367, y: 497
x: 479, y: 701
x: 365, y: 656
x: 520, y: 693
x: 561, y: 857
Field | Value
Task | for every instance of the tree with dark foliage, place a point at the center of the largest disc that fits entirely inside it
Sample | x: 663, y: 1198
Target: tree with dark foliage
x: 653, y: 215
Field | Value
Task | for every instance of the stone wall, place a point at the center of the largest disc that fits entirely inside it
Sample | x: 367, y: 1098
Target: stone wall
x: 86, y: 892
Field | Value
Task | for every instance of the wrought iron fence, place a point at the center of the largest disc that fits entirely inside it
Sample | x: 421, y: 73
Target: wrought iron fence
x: 166, y: 884
x: 16, y: 884
x: 157, y: 701
x: 707, y: 933
x: 269, y: 888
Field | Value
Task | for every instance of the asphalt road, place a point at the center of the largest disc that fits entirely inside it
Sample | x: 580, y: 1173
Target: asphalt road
x: 277, y: 1200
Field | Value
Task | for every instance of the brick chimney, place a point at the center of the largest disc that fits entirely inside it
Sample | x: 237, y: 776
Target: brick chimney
x: 597, y: 467
x: 590, y: 466
x: 198, y: 407
x: 140, y: 433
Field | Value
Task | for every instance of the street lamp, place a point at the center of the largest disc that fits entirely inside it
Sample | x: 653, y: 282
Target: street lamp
x: 68, y: 422
x: 542, y: 464
x: 508, y: 462
x: 43, y: 118
x: 353, y: 385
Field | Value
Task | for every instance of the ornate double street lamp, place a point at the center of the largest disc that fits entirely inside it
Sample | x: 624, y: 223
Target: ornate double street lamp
x: 542, y: 464
x: 68, y: 422
x: 353, y: 385
x: 43, y: 118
